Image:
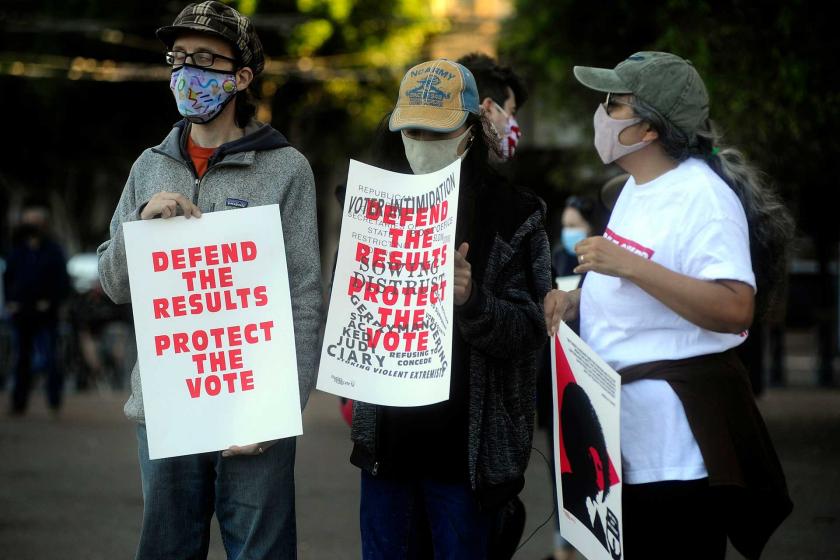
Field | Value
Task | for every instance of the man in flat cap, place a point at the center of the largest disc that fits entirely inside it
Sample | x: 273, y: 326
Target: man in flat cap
x: 218, y: 157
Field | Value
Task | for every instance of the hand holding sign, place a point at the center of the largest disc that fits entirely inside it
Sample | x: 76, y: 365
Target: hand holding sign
x: 463, y: 275
x: 253, y: 449
x: 165, y: 205
x: 560, y: 306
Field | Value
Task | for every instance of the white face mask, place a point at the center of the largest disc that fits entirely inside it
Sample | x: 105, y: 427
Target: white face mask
x: 427, y: 156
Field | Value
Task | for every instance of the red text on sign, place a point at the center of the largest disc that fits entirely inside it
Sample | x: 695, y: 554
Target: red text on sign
x: 227, y: 383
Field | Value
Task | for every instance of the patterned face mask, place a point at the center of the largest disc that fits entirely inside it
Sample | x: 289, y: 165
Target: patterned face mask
x: 512, y: 134
x: 202, y: 94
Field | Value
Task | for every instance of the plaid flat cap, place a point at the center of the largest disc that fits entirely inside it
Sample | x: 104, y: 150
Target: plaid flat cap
x: 223, y: 21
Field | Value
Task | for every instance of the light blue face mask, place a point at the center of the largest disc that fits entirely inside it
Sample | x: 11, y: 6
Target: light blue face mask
x: 571, y: 237
x: 202, y: 94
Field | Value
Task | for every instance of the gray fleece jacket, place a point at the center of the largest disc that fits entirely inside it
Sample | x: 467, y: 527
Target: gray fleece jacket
x: 260, y: 168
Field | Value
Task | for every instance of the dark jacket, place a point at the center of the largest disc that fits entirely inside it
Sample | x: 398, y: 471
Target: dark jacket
x: 745, y: 475
x: 503, y: 325
x: 34, y: 274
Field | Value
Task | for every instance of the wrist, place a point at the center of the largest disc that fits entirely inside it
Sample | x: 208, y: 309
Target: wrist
x: 574, y: 299
x: 635, y: 268
x: 140, y: 213
x: 473, y: 304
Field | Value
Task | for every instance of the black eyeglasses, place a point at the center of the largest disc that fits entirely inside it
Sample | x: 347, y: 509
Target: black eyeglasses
x: 611, y: 100
x: 201, y: 58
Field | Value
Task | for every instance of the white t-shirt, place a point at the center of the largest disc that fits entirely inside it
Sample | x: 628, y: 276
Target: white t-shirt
x: 689, y: 221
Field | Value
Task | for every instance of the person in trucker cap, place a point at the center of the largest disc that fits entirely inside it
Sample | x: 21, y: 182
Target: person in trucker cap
x: 448, y: 468
x: 218, y: 157
x: 670, y: 291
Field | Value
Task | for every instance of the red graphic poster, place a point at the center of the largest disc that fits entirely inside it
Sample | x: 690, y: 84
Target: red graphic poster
x: 587, y: 453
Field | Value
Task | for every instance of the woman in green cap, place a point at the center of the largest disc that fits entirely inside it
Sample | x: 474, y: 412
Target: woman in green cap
x: 695, y: 246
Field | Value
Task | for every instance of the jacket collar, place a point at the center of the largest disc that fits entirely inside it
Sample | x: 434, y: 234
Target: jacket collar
x: 258, y: 137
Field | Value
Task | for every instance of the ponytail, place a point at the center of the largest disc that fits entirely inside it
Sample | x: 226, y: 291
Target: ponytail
x: 771, y: 226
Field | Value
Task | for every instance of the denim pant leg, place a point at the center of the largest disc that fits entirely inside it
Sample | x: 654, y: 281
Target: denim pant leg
x: 460, y: 531
x: 255, y: 503
x: 386, y: 518
x: 23, y: 335
x: 46, y: 341
x: 177, y: 504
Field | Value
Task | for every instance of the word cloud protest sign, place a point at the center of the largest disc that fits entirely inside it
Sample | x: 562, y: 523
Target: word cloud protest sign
x: 215, y: 339
x: 587, y: 452
x: 388, y: 338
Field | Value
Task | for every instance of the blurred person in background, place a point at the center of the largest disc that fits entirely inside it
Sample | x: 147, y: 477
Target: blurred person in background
x: 103, y: 334
x: 582, y: 217
x: 35, y: 285
x: 502, y: 93
x: 611, y: 190
x: 6, y: 353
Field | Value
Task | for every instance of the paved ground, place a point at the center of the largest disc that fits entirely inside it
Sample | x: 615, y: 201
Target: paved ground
x: 69, y: 487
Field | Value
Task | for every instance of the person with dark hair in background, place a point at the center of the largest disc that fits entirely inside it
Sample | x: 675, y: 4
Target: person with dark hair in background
x: 608, y: 195
x: 581, y: 218
x: 36, y: 283
x: 464, y: 458
x: 587, y: 483
x: 670, y: 292
x: 219, y: 158
x: 502, y: 93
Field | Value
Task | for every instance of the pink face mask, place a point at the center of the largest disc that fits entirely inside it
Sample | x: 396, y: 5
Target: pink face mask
x: 607, y: 130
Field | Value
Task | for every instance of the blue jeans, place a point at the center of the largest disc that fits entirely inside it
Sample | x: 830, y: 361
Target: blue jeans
x: 253, y: 498
x: 36, y: 341
x: 389, y: 519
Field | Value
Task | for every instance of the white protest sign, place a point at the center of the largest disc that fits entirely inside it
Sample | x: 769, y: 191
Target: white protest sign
x: 215, y: 338
x: 587, y: 452
x: 567, y: 283
x: 388, y: 339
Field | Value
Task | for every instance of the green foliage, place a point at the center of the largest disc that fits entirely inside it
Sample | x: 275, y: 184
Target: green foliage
x: 357, y: 50
x: 310, y: 36
x: 764, y: 64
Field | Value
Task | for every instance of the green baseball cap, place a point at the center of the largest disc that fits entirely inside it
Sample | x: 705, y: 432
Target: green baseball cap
x: 664, y: 81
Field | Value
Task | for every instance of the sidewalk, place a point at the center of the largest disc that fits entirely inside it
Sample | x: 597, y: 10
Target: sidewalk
x: 70, y: 489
